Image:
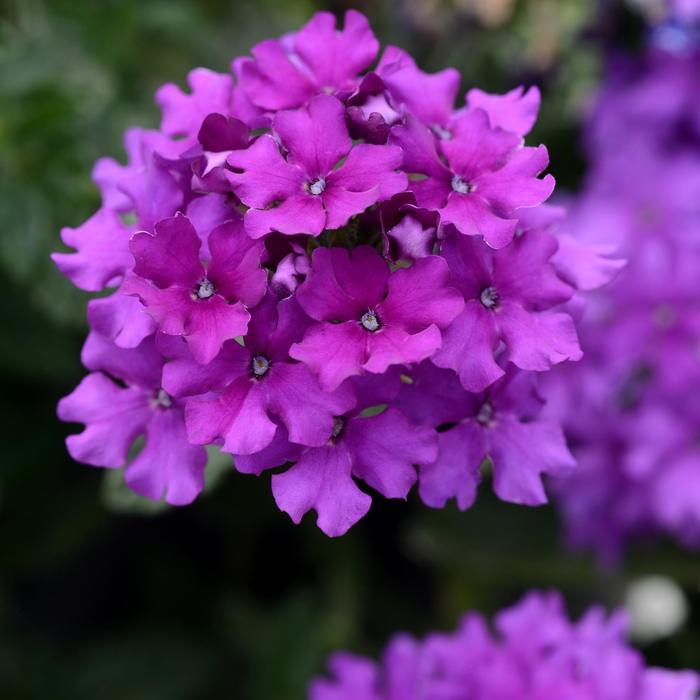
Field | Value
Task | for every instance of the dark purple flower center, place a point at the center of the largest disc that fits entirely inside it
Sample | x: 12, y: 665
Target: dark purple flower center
x: 461, y: 186
x: 489, y: 297
x: 259, y: 366
x: 162, y: 399
x: 317, y: 186
x: 370, y: 321
x: 485, y: 413
x: 205, y: 289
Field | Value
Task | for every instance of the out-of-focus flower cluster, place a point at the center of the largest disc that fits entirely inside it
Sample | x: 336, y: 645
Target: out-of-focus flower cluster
x: 536, y: 653
x: 331, y: 269
x: 631, y: 408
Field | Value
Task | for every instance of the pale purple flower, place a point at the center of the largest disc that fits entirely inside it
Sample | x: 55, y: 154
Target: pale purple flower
x: 369, y: 318
x: 205, y: 305
x: 115, y: 415
x: 308, y: 191
x: 503, y: 424
x: 535, y: 652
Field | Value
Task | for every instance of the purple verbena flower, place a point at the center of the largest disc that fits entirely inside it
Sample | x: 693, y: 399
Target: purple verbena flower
x: 535, y: 652
x: 478, y: 178
x: 167, y: 466
x: 308, y: 191
x: 205, y: 305
x: 369, y: 318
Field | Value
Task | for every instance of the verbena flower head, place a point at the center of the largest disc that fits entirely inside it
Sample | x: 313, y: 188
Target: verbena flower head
x: 630, y: 408
x: 535, y: 652
x: 307, y: 248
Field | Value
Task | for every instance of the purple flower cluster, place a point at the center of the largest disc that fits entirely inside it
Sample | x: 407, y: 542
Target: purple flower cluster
x: 331, y: 269
x: 536, y: 653
x: 631, y: 408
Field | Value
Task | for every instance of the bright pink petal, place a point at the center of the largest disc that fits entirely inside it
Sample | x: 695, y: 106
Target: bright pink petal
x: 315, y: 136
x: 102, y: 252
x: 261, y: 176
x: 536, y: 341
x: 468, y: 346
x: 522, y: 453
x: 523, y: 273
x: 385, y: 448
x: 299, y: 213
x: 113, y: 417
x: 394, y: 346
x: 476, y: 148
x: 516, y: 184
x: 321, y: 481
x: 472, y: 216
x: 456, y: 472
x: 334, y: 352
x: 514, y: 111
x: 121, y: 318
x: 336, y: 57
x: 238, y: 417
x: 343, y: 284
x: 419, y: 296
x: 168, y: 466
x: 235, y: 264
x: 170, y: 256
x: 294, y: 396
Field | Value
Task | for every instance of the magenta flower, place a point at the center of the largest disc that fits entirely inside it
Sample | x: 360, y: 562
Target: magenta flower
x: 302, y: 238
x: 502, y: 424
x: 509, y: 295
x: 205, y: 305
x: 168, y: 466
x: 535, y: 651
x: 485, y: 178
x: 312, y: 193
x: 368, y: 318
x: 379, y: 450
x: 286, y: 73
x: 257, y: 384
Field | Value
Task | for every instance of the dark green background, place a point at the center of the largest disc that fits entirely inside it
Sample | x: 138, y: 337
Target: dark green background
x: 102, y: 595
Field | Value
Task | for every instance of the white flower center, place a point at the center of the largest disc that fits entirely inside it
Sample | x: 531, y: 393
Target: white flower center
x: 442, y: 133
x: 338, y: 425
x: 489, y: 297
x: 317, y: 186
x: 205, y: 289
x: 370, y: 321
x: 163, y: 399
x: 485, y: 413
x: 461, y: 186
x: 260, y: 365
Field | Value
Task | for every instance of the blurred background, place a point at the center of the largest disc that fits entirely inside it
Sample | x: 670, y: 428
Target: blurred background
x: 102, y: 593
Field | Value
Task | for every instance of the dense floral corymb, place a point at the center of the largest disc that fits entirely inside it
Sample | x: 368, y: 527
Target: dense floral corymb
x: 536, y: 653
x: 302, y: 254
x: 630, y: 408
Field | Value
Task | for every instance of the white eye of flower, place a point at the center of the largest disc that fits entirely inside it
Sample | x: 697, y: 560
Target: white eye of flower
x: 489, y: 297
x: 485, y: 413
x: 163, y: 399
x: 461, y: 186
x: 205, y: 289
x: 317, y: 186
x: 338, y: 425
x: 260, y: 365
x: 370, y: 321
